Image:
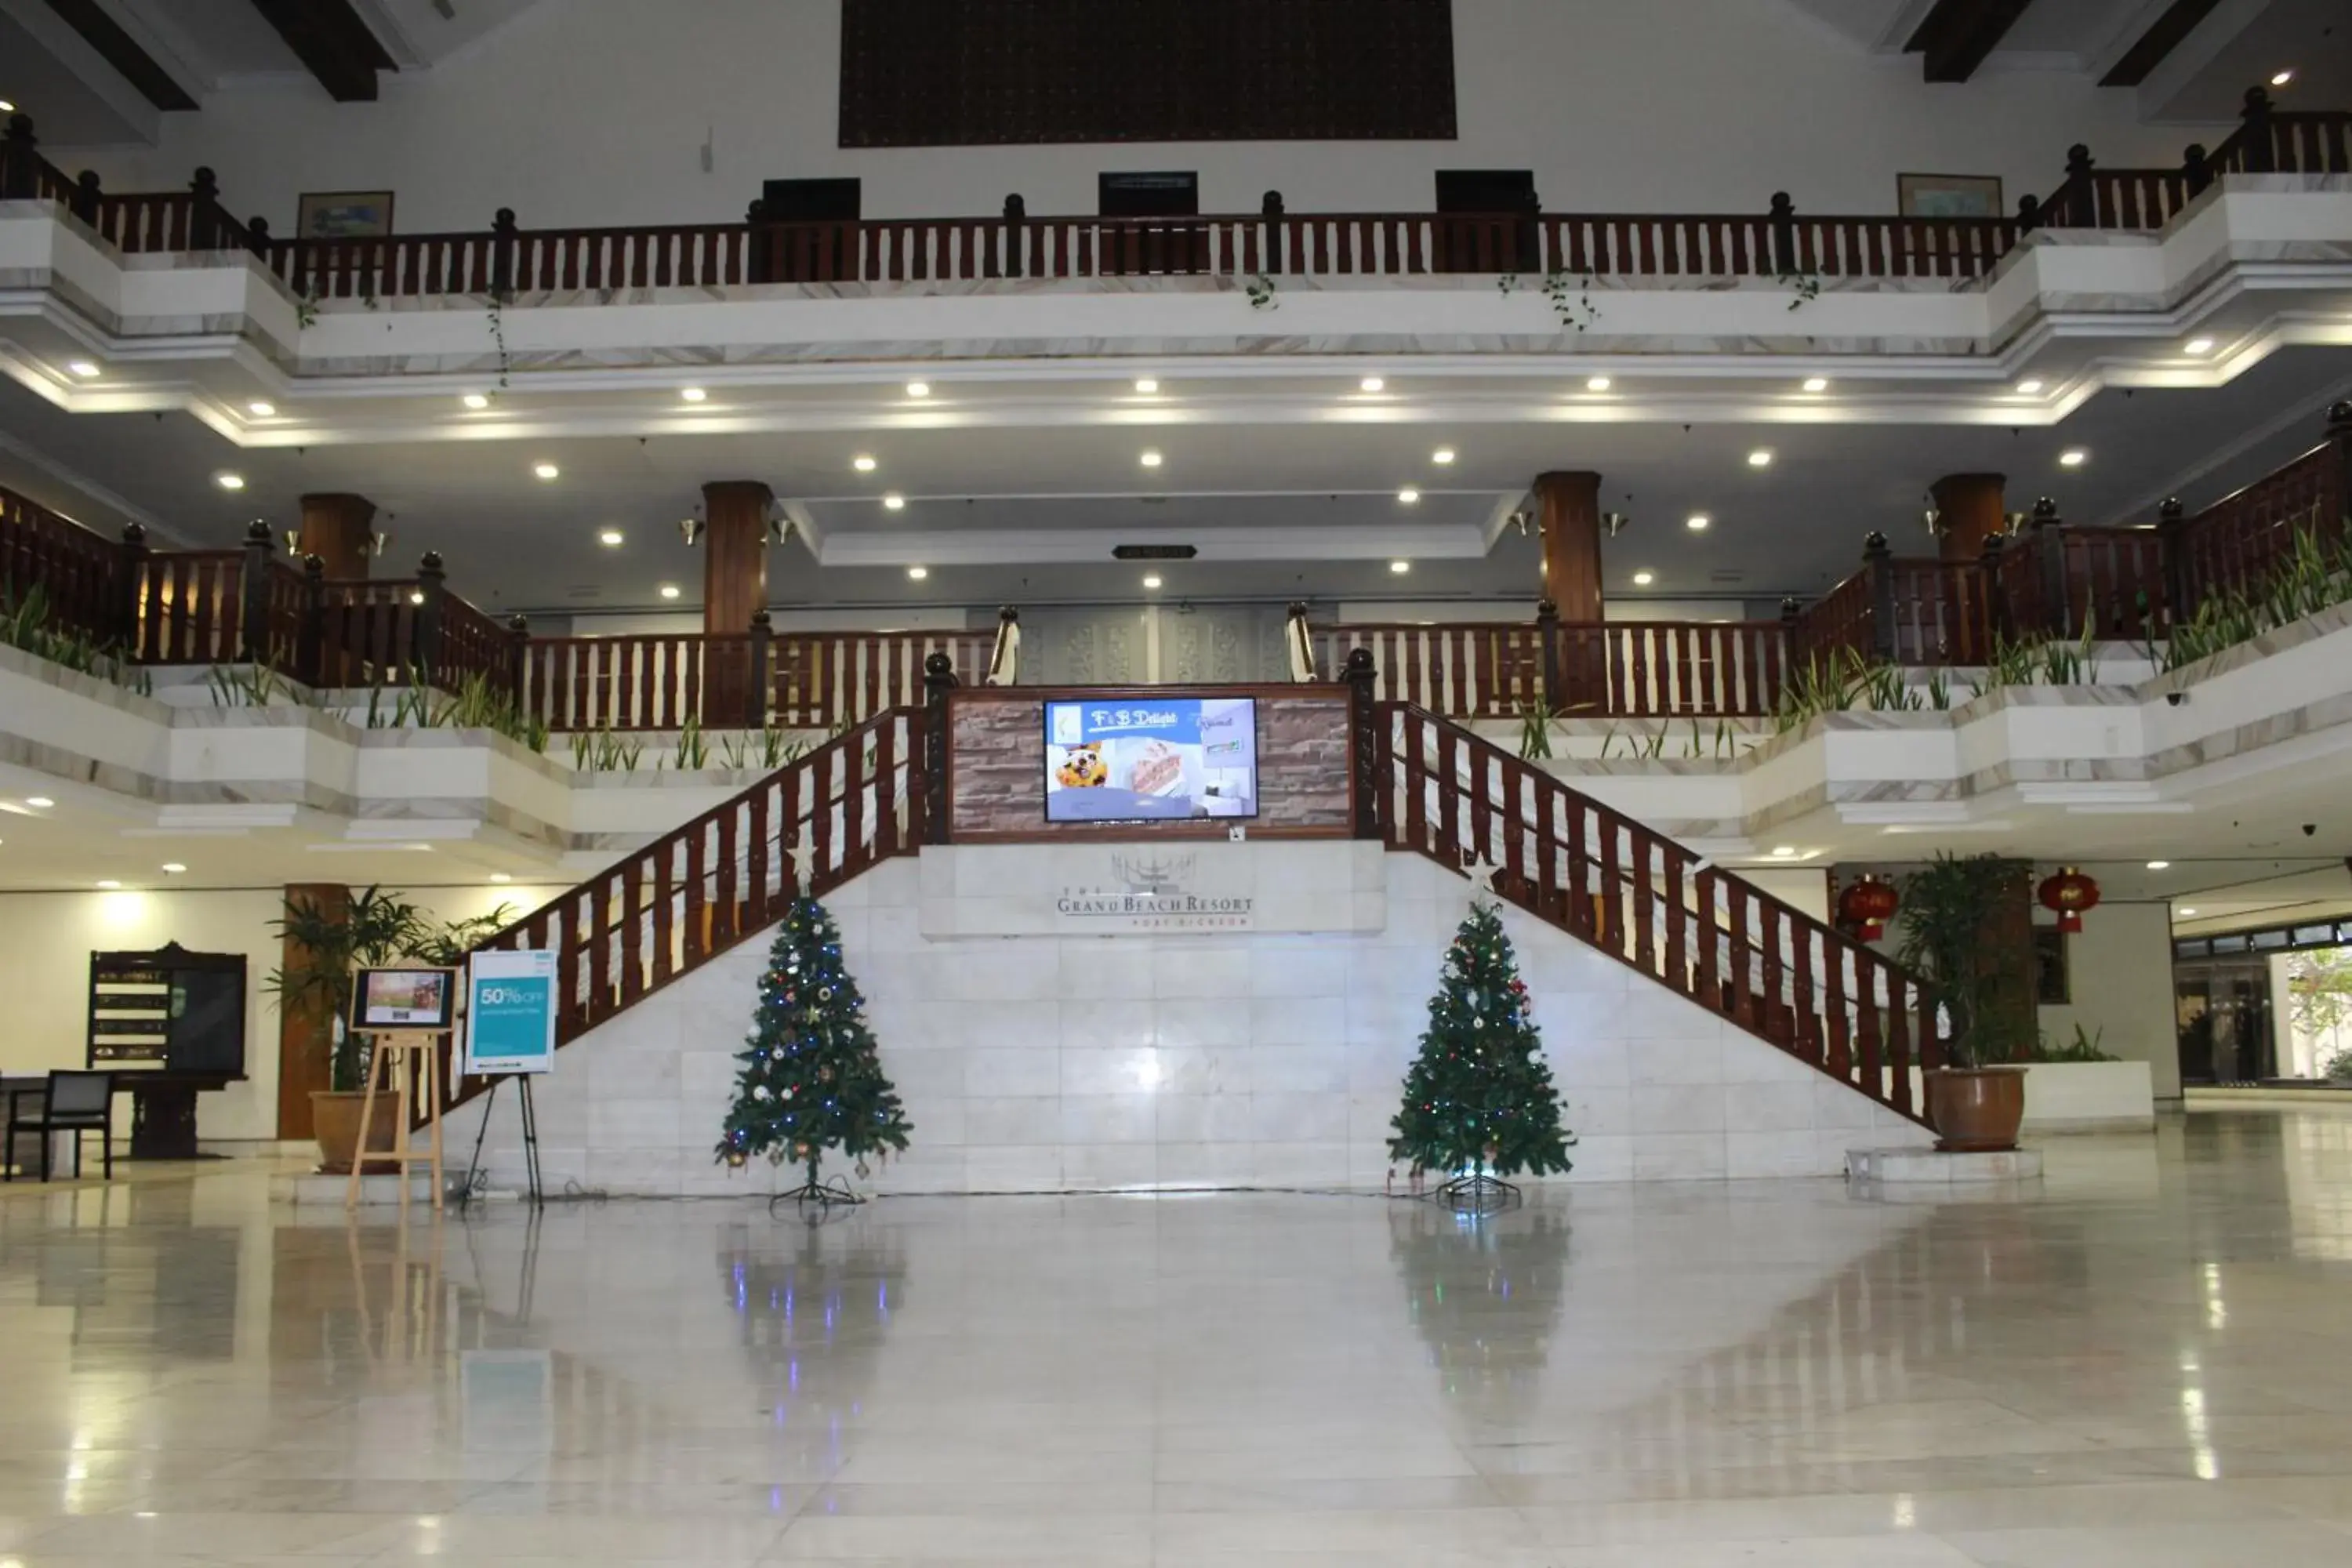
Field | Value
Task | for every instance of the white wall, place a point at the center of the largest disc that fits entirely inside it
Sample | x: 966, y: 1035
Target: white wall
x: 46, y: 940
x: 1185, y: 1059
x: 2121, y: 967
x: 595, y: 111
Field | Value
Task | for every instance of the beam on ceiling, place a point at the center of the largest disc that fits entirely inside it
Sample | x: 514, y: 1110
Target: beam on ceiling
x: 329, y: 38
x: 1958, y: 34
x: 122, y: 51
x: 2163, y: 35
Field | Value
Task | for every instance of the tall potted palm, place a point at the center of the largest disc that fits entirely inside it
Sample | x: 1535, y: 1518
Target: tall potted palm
x: 1952, y: 935
x: 373, y: 930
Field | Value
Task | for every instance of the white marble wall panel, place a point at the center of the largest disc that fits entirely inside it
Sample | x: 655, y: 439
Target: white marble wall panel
x: 1152, y: 1060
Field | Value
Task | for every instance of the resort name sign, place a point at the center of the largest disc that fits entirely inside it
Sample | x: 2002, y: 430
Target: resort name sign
x: 1151, y: 892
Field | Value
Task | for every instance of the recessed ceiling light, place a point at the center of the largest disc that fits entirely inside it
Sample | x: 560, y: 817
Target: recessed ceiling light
x: 692, y: 393
x: 261, y: 410
x: 1373, y: 383
x: 1817, y: 384
x: 1399, y: 567
x: 918, y: 572
x: 2198, y: 346
x: 1643, y: 579
x: 172, y: 868
x: 547, y: 470
x: 1759, y: 458
x: 2072, y: 458
x: 1442, y: 456
x: 669, y: 590
x: 229, y: 482
x: 110, y: 885
x: 1784, y: 852
x: 918, y: 389
x: 1598, y: 384
x: 2159, y: 865
x: 2186, y: 912
x: 894, y: 501
x: 864, y: 463
x: 1147, y: 386
x: 2029, y: 386
x: 84, y: 368
x: 1699, y: 522
x: 612, y: 539
x: 500, y: 877
x: 1151, y: 459
x: 1409, y: 496
x: 39, y: 802
x: 1152, y: 581
x: 2280, y: 79
x: 477, y: 401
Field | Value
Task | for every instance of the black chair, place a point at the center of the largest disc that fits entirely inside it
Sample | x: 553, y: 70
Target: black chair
x: 75, y: 1103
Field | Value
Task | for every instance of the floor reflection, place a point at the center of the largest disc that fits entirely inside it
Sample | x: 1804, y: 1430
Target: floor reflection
x: 1485, y: 1293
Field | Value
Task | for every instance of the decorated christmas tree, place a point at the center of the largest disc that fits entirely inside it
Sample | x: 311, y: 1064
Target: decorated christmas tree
x: 1478, y: 1099
x: 811, y: 1079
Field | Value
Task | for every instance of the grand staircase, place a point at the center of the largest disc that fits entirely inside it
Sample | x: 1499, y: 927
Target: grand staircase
x: 1425, y: 785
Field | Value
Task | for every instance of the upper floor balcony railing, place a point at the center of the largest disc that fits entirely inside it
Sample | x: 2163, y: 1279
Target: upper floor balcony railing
x: 1777, y: 242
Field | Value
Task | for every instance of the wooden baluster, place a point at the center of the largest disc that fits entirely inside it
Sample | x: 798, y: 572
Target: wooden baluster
x: 1870, y: 1057
x: 1743, y: 1010
x: 1836, y: 1025
x: 1481, y: 764
x: 1547, y: 844
x: 1802, y: 1009
x: 1449, y: 800
x: 698, y: 899
x: 1675, y: 880
x: 665, y: 860
x: 1708, y: 977
x: 885, y: 778
x: 1646, y: 907
x: 1581, y: 911
x: 1416, y: 780
x: 1897, y: 1041
x: 760, y: 851
x: 632, y: 929
x: 727, y: 923
x: 600, y: 949
x: 1611, y: 913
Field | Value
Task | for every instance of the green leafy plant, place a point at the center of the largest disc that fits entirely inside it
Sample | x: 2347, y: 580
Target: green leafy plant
x: 255, y: 685
x: 376, y: 928
x: 2082, y: 1048
x: 1263, y: 293
x: 2314, y: 577
x: 1948, y: 918
x: 693, y: 752
x: 2339, y: 1068
x: 1805, y: 286
x: 1571, y: 298
x: 1507, y: 284
x: 1535, y: 732
x: 24, y: 624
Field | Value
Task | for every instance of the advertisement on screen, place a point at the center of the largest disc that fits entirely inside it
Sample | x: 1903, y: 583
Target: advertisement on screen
x: 1167, y: 759
x: 414, y: 1000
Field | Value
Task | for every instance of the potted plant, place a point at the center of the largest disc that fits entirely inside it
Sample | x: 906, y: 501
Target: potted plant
x: 1951, y: 937
x: 375, y: 930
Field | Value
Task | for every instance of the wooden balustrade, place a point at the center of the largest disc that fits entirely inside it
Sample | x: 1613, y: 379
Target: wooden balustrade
x: 1654, y: 905
x: 1630, y: 669
x: 79, y: 574
x: 1477, y: 670
x: 367, y: 632
x: 467, y: 644
x: 1938, y: 612
x: 822, y: 678
x: 2235, y: 543
x: 1841, y: 624
x: 656, y: 681
x: 190, y: 607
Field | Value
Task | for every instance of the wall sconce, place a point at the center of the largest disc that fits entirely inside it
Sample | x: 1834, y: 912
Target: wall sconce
x: 691, y: 527
x: 1934, y: 518
x: 378, y: 543
x: 293, y: 541
x: 1616, y: 523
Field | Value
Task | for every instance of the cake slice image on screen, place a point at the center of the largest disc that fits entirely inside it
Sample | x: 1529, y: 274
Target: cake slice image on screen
x: 1137, y: 760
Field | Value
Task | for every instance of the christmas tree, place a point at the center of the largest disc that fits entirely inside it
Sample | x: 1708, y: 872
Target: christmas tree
x: 1478, y: 1100
x: 811, y: 1079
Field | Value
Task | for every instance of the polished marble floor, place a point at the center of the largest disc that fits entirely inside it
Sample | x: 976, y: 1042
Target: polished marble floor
x: 2151, y: 1364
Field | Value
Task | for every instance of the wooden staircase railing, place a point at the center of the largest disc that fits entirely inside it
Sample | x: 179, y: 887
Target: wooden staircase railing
x: 1655, y: 906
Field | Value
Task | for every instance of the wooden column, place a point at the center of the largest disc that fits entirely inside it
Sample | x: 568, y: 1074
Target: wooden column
x: 1568, y: 507
x: 340, y: 530
x: 306, y: 1034
x: 734, y: 555
x: 1973, y: 511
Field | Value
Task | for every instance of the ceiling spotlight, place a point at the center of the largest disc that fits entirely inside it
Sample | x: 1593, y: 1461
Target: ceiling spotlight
x: 669, y: 590
x: 477, y: 401
x: 2184, y: 914
x: 1699, y: 522
x: 864, y: 463
x: 1598, y: 384
x: 1152, y: 581
x: 2280, y: 79
x: 1147, y: 386
x: 1817, y: 384
x: 2029, y: 386
x: 1399, y: 567
x: 918, y: 572
x: 894, y: 501
x: 1442, y: 456
x: 261, y: 410
x: 1759, y: 458
x: 1151, y: 459
x: 229, y: 482
x: 547, y: 470
x: 918, y: 389
x: 1784, y: 852
x: 2198, y: 346
x: 1409, y: 496
x: 1643, y: 579
x: 109, y: 884
x: 172, y: 868
x: 612, y: 539
x: 1373, y: 383
x: 2159, y: 865
x: 2072, y: 458
x: 39, y: 802
x: 692, y: 393
x: 84, y: 368
x: 500, y: 877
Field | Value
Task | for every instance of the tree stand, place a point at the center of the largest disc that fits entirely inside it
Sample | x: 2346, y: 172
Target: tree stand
x: 1478, y: 1194
x: 831, y: 1193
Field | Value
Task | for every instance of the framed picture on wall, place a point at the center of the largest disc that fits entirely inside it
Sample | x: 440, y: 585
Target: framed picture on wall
x: 345, y: 215
x: 1948, y: 195
x: 2053, y: 986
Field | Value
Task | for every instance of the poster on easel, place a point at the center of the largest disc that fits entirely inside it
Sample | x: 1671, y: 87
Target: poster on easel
x: 510, y: 1012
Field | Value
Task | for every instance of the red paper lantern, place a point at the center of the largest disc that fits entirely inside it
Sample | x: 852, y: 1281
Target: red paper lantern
x: 2070, y: 895
x: 1867, y: 906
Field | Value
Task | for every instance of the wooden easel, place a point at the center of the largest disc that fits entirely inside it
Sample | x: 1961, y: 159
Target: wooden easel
x: 388, y: 1063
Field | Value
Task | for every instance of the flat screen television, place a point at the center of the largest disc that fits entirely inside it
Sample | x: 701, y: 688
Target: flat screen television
x: 1151, y: 759
x: 393, y: 1000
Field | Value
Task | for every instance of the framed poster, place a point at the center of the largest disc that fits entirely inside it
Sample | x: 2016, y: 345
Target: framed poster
x: 510, y: 1012
x: 343, y: 214
x: 411, y: 1000
x: 1949, y: 196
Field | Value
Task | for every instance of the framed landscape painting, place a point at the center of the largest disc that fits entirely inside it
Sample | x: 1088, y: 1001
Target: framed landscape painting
x: 345, y: 215
x: 1949, y: 196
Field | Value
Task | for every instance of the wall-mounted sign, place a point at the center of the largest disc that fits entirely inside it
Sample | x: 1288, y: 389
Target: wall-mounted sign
x: 1158, y: 889
x: 510, y: 1012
